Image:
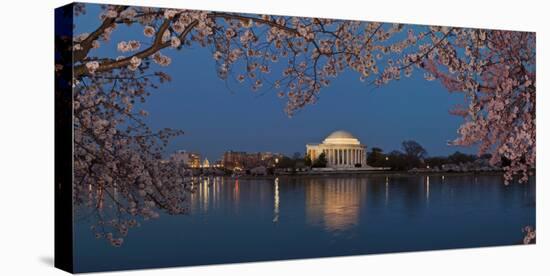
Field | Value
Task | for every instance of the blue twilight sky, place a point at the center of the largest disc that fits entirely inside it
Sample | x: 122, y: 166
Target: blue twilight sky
x: 217, y: 116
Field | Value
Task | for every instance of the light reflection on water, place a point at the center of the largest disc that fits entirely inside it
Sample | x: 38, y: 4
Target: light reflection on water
x: 331, y: 203
x: 250, y: 219
x: 276, y: 201
x: 334, y: 204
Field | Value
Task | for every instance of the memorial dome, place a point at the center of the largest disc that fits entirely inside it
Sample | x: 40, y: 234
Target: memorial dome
x: 341, y: 137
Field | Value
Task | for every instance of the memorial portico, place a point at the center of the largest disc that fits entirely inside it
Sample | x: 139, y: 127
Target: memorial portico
x: 341, y: 149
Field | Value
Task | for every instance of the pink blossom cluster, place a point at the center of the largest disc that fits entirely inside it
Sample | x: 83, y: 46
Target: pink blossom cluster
x: 530, y: 235
x: 92, y: 66
x: 161, y: 59
x: 128, y: 46
x: 118, y: 164
x: 149, y: 31
x: 496, y: 72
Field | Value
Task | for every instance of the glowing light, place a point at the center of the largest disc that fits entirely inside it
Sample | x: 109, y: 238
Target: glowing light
x: 276, y: 201
x: 387, y: 190
x: 428, y: 188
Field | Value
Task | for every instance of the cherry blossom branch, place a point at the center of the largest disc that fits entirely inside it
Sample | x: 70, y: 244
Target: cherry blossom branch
x: 86, y: 44
x: 255, y: 19
x: 155, y: 47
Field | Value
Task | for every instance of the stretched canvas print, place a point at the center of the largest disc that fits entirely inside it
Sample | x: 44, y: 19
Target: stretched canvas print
x: 189, y: 137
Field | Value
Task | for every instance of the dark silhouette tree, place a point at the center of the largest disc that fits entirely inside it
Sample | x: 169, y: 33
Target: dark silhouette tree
x: 321, y: 161
x: 414, y: 153
x: 376, y: 157
x: 307, y: 161
x: 414, y: 150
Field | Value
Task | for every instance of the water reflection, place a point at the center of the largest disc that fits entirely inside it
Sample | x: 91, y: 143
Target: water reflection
x: 333, y: 203
x: 387, y: 190
x: 201, y: 197
x: 276, y: 201
x: 233, y: 220
x: 428, y: 189
x: 337, y: 204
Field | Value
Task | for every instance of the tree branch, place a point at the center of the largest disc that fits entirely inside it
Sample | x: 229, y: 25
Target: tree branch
x: 156, y: 46
x: 86, y: 44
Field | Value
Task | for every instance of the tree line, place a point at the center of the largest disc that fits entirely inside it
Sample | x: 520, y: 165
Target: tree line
x: 413, y: 155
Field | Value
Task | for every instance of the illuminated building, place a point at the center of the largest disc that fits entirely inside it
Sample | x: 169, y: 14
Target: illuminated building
x: 189, y: 159
x: 245, y: 160
x: 341, y: 150
x: 232, y: 159
x: 206, y: 163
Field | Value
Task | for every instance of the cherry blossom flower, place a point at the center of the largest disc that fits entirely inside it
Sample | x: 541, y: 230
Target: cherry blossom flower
x: 109, y: 13
x: 165, y: 36
x: 169, y: 14
x: 129, y: 46
x: 92, y: 66
x: 134, y: 63
x: 149, y: 31
x: 161, y: 59
x: 95, y: 44
x: 217, y: 55
x: 175, y: 42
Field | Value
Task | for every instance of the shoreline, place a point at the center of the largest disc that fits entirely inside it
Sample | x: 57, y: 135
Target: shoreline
x: 363, y: 173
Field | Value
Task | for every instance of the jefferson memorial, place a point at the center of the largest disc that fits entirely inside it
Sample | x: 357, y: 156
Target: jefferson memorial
x: 341, y: 149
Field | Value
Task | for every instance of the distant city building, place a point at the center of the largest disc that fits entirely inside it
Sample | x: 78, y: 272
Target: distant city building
x: 341, y: 149
x: 233, y: 159
x: 205, y: 163
x: 218, y: 164
x: 244, y: 160
x: 189, y: 159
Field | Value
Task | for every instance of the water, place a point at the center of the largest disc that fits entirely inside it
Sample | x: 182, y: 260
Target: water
x: 303, y: 217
